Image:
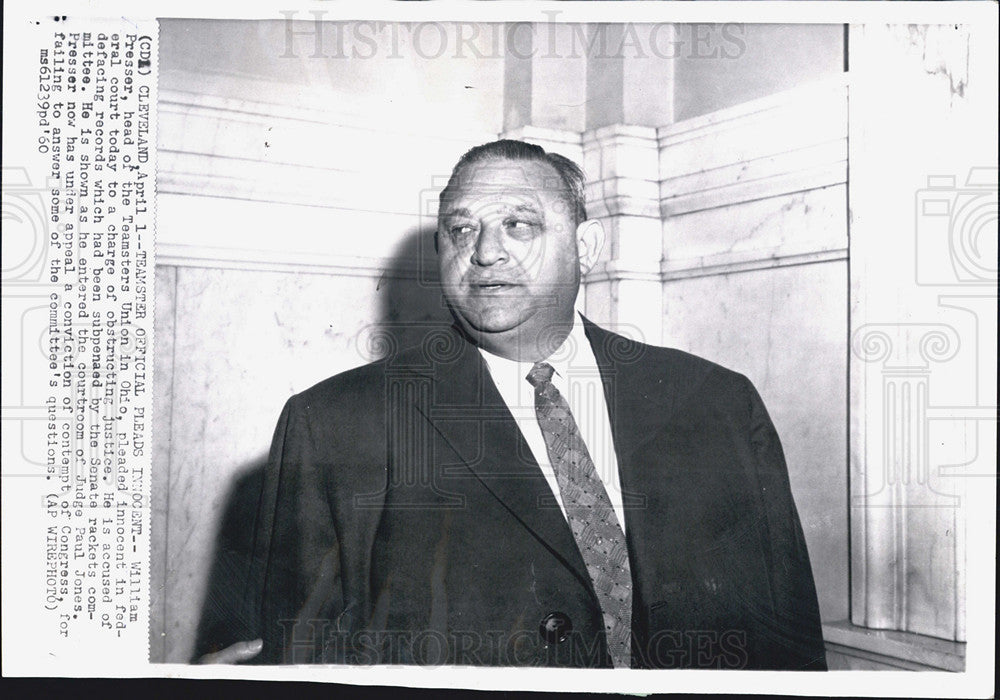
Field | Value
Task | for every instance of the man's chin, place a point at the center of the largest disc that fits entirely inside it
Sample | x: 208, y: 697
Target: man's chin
x: 495, y: 321
x: 487, y: 327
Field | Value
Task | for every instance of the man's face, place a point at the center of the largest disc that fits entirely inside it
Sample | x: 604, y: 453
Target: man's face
x: 507, y: 250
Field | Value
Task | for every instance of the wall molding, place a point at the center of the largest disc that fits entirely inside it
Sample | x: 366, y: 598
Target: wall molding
x: 178, y: 255
x: 763, y: 260
x: 785, y: 143
x: 894, y: 650
x: 622, y: 162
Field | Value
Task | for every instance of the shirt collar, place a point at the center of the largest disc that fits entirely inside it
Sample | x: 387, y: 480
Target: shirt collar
x: 574, y: 351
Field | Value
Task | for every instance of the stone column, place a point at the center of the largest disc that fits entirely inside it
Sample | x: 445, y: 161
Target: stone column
x: 596, y: 93
x: 922, y: 188
x: 630, y: 86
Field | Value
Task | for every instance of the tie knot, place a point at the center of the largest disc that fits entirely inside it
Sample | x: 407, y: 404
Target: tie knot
x: 540, y: 374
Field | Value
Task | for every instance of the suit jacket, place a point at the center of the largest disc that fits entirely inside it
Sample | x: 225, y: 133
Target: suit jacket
x: 403, y: 519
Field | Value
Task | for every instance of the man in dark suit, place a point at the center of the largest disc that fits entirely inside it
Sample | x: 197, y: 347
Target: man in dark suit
x: 527, y: 488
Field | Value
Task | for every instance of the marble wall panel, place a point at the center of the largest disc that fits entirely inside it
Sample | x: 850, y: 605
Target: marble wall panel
x: 785, y: 329
x: 810, y: 221
x: 245, y: 341
x: 267, y: 231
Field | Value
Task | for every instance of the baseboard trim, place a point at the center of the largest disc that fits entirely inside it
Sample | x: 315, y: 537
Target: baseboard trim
x: 892, y: 649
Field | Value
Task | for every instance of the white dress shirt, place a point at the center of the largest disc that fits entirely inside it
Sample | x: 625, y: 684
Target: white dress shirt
x: 579, y: 381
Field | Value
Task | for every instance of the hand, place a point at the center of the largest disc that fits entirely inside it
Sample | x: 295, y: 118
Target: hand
x: 235, y: 654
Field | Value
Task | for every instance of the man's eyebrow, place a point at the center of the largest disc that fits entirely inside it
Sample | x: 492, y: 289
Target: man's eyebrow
x: 459, y: 211
x: 524, y: 208
x: 514, y: 209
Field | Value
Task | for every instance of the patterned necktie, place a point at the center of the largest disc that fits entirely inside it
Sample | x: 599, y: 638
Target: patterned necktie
x: 591, y: 517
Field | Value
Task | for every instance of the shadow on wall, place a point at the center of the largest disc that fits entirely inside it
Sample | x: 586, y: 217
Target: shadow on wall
x: 410, y: 306
x: 226, y: 614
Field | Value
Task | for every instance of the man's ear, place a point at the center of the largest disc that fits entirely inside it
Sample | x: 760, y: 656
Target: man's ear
x: 589, y: 243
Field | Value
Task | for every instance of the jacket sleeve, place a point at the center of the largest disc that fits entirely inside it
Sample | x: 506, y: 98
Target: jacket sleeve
x: 795, y: 634
x: 294, y: 586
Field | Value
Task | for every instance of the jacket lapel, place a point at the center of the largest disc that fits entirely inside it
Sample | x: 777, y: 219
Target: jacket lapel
x: 637, y: 406
x: 466, y: 409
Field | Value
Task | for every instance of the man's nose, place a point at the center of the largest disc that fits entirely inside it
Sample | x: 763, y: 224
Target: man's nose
x: 489, y: 248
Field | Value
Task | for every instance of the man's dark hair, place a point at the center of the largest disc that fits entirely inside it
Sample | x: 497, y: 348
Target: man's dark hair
x: 572, y: 177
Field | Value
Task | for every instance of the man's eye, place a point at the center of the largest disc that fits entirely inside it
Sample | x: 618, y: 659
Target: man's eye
x: 519, y: 225
x: 460, y: 230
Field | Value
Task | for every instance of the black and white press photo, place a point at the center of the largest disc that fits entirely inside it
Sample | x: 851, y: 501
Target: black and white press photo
x: 437, y: 236
x: 608, y: 347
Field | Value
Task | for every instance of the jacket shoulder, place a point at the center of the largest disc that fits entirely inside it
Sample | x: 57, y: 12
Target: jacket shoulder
x: 692, y: 376
x: 686, y: 363
x: 358, y: 393
x: 682, y: 368
x: 673, y: 379
x: 350, y: 385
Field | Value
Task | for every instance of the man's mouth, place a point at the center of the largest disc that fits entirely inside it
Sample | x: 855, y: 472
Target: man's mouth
x: 492, y: 286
